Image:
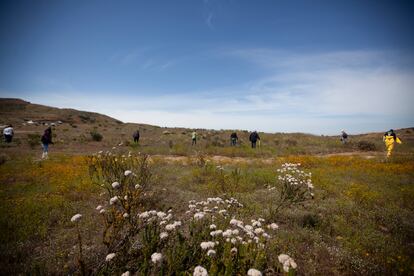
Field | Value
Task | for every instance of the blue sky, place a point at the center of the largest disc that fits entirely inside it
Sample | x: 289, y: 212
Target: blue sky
x: 276, y: 66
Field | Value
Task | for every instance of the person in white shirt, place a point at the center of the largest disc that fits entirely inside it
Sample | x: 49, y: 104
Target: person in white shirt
x: 8, y: 134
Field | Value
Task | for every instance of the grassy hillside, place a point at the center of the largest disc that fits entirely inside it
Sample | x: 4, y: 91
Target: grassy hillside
x: 73, y: 135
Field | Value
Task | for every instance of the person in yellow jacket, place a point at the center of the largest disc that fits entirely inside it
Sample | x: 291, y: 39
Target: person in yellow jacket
x: 390, y: 138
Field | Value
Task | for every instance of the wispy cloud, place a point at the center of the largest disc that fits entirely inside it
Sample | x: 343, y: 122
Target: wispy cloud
x: 144, y: 58
x: 209, y: 21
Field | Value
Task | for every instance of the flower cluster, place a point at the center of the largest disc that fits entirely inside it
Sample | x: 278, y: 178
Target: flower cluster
x: 291, y: 174
x: 287, y: 262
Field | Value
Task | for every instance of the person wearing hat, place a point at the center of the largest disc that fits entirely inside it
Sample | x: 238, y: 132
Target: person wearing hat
x: 389, y: 139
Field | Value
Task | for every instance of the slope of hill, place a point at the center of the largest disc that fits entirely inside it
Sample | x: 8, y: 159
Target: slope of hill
x: 73, y: 128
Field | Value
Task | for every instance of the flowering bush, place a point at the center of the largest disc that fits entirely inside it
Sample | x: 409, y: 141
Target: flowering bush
x: 293, y: 187
x: 208, y: 238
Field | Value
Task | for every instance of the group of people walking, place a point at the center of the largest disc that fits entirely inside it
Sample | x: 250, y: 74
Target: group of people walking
x: 46, y: 139
x: 253, y: 138
x: 389, y: 138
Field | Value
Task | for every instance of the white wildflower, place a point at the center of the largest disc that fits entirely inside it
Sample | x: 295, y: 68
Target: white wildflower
x: 170, y: 227
x: 163, y: 235
x: 273, y: 226
x: 213, y: 226
x: 233, y: 250
x: 227, y: 233
x: 161, y: 214
x: 128, y: 172
x: 200, y: 271
x: 236, y: 222
x: 102, y: 211
x: 207, y: 245
x: 258, y: 231
x: 223, y: 212
x: 99, y: 207
x: 248, y: 227
x: 254, y: 272
x: 137, y: 186
x: 199, y: 215
x: 109, y: 257
x: 126, y: 273
x: 216, y: 233
x: 266, y: 236
x: 76, y: 218
x: 211, y: 252
x: 116, y: 185
x: 144, y: 215
x: 125, y: 215
x: 156, y: 257
x: 287, y: 262
x: 113, y: 200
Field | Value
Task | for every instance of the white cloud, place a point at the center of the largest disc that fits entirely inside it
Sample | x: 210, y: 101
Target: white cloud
x: 358, y: 91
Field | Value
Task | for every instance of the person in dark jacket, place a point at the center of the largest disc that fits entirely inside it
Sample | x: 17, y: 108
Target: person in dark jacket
x: 233, y: 139
x: 254, y: 136
x: 344, y: 137
x: 46, y: 140
x: 136, y: 136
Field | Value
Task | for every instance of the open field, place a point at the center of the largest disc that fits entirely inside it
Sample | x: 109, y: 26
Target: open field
x: 356, y: 218
x: 359, y: 222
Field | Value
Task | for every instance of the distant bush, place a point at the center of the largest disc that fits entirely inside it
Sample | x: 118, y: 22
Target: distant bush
x: 84, y: 117
x: 291, y: 142
x: 96, y: 136
x: 33, y: 139
x: 217, y: 142
x: 366, y: 146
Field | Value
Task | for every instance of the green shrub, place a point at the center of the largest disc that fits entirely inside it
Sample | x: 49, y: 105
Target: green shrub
x: 96, y: 136
x: 366, y: 146
x: 33, y: 139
